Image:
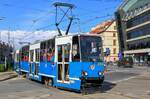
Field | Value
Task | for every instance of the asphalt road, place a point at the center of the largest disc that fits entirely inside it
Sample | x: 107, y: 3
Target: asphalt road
x: 27, y: 89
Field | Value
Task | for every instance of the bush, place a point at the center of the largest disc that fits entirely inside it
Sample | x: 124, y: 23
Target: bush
x: 1, y: 68
x: 10, y: 66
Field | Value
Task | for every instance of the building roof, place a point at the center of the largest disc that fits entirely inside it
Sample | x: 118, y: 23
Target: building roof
x: 101, y: 27
x: 129, y: 5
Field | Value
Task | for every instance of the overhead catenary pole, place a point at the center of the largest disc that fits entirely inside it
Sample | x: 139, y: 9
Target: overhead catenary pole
x: 1, y: 18
x: 8, y: 37
x: 0, y: 36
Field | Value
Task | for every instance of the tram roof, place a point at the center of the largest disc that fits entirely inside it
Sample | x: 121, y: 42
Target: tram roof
x: 59, y: 37
x: 77, y: 35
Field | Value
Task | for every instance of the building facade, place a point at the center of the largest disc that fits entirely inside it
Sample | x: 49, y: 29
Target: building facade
x: 107, y: 30
x: 133, y: 25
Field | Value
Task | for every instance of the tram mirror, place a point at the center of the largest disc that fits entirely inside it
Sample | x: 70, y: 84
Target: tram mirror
x: 75, y: 53
x: 93, y: 47
x: 75, y: 49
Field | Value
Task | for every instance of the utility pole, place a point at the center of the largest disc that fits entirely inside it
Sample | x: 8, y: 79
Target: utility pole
x: 1, y: 18
x: 0, y: 35
x: 13, y: 42
x: 8, y: 37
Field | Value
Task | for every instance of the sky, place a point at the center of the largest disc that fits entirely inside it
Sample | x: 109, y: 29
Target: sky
x: 28, y: 16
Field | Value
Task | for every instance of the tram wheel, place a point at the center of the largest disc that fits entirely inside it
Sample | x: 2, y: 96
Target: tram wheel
x: 48, y: 82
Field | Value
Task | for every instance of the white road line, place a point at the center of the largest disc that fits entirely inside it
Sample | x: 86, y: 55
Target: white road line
x: 124, y: 79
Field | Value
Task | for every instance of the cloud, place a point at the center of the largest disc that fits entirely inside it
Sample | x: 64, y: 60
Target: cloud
x: 26, y: 36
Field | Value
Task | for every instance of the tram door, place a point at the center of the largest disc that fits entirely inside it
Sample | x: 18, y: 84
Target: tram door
x: 31, y: 61
x: 63, y: 62
x: 34, y: 59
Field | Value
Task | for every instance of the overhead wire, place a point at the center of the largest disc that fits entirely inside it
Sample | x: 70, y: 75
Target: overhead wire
x: 33, y: 9
x: 40, y: 10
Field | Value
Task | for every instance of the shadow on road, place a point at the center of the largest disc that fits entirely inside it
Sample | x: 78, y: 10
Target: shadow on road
x: 94, y: 89
x: 107, y: 86
x: 104, y: 88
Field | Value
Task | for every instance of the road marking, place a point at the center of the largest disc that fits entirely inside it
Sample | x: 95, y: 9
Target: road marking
x: 124, y: 79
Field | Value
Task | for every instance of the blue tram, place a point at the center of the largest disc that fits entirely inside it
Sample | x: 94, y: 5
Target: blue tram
x: 65, y: 61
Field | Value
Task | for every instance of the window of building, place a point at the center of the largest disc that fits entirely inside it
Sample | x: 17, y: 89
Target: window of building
x: 114, y: 34
x: 114, y: 42
x: 114, y: 50
x: 138, y: 45
x: 138, y: 32
x: 115, y: 27
x: 138, y: 19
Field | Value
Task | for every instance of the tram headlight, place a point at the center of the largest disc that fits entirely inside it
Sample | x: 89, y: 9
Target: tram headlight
x: 84, y: 73
x: 100, y: 73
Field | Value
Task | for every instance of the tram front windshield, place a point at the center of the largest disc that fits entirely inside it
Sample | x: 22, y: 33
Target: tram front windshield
x: 91, y: 48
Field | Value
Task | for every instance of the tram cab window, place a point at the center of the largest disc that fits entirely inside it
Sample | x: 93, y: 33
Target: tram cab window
x: 75, y: 49
x: 91, y: 48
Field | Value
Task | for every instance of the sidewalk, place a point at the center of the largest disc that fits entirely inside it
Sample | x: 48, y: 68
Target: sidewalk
x: 7, y: 75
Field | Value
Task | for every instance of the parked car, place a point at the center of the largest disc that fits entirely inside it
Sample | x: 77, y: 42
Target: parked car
x: 126, y: 62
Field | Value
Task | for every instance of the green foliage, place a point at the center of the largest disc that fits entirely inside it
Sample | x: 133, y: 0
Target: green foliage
x: 1, y: 67
x: 10, y: 66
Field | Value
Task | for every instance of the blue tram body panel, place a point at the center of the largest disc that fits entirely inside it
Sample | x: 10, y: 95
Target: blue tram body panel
x: 74, y: 77
x: 16, y: 66
x: 75, y: 74
x: 47, y: 69
x: 24, y: 66
x: 93, y: 68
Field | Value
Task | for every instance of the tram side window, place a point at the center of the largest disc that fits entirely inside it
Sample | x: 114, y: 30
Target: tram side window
x: 25, y: 53
x: 37, y: 55
x: 31, y: 55
x: 36, y: 68
x: 75, y: 49
x: 43, y: 51
x: 50, y: 50
x: 50, y: 54
x: 47, y: 50
x: 59, y: 53
x: 67, y: 52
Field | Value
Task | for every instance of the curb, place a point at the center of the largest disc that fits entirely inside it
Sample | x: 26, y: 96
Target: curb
x: 8, y: 77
